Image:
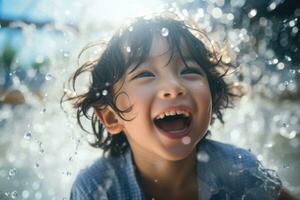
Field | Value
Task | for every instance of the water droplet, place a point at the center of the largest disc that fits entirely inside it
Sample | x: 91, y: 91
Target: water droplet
x: 35, y: 185
x: 275, y: 61
x: 295, y: 30
x: 130, y: 28
x: 263, y: 21
x: 14, y: 194
x: 66, y: 54
x: 202, y: 156
x: 230, y: 16
x: 185, y: 12
x: 104, y: 92
x: 243, y: 197
x: 97, y: 94
x: 237, y: 3
x: 25, y: 194
x: 48, y: 77
x: 226, y: 59
x: 70, y: 158
x: 260, y: 157
x: 39, y: 59
x: 272, y: 6
x: 43, y: 110
x: 292, y: 23
x: 96, y: 52
x: 155, y: 180
x: 164, y: 32
x: 186, y: 140
x: 128, y: 49
x: 252, y: 13
x: 38, y: 195
x: 107, y: 84
x: 292, y: 134
x: 12, y: 172
x: 200, y: 13
x: 239, y: 156
x: 42, y: 151
x: 217, y: 13
x: 236, y: 49
x: 27, y: 135
x: 280, y: 66
x: 6, y: 194
x: 269, y: 145
x: 288, y: 58
x: 286, y: 83
x: 286, y: 166
x: 285, y: 125
x: 37, y: 165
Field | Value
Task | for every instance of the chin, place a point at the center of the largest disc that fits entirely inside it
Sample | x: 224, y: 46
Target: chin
x: 178, y: 153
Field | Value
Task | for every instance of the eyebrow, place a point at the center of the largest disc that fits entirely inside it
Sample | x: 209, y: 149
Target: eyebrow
x: 188, y: 59
x: 135, y: 66
x: 185, y: 58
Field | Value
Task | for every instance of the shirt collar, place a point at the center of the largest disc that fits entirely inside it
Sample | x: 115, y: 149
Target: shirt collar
x: 207, y: 184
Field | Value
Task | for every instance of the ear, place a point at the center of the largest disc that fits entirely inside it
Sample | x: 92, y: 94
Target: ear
x: 110, y: 120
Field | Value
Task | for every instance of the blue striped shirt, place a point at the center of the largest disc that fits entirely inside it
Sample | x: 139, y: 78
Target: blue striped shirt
x: 223, y: 172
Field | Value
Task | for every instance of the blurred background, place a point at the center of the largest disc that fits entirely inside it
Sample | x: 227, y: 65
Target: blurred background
x: 42, y: 148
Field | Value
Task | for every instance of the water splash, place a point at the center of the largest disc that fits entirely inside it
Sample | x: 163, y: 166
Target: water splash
x: 203, y: 156
x: 252, y: 120
x: 104, y: 92
x: 186, y: 140
x: 12, y: 172
x: 27, y: 135
x: 164, y: 32
x: 49, y: 77
x: 14, y: 194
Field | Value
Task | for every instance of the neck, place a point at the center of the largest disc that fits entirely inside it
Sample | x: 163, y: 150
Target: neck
x: 156, y: 173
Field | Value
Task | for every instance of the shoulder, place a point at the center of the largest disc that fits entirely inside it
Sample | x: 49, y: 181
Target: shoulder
x: 239, y: 173
x: 227, y: 153
x: 221, y: 148
x: 98, y: 179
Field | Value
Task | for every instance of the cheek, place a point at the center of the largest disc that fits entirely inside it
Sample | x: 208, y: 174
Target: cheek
x: 123, y: 101
x: 137, y: 97
x: 203, y: 96
x: 140, y: 95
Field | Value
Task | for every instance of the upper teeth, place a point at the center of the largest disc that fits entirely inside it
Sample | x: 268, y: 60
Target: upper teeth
x: 172, y: 113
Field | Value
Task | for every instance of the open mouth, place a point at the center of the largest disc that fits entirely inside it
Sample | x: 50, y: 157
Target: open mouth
x: 173, y: 122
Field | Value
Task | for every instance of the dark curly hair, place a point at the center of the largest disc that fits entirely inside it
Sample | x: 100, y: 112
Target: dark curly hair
x: 131, y: 45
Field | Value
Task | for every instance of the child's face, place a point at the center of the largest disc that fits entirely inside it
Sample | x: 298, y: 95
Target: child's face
x: 157, y: 87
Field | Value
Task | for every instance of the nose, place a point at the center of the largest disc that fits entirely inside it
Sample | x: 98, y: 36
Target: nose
x: 171, y: 89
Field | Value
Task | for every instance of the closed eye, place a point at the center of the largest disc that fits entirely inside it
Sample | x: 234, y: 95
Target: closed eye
x: 143, y: 74
x: 191, y: 70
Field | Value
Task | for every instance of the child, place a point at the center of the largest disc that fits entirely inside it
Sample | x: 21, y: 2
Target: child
x: 154, y: 91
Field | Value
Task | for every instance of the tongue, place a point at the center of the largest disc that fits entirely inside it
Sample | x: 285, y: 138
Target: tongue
x: 173, y: 125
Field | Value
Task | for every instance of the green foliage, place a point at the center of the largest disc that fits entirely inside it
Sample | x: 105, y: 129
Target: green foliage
x: 7, y: 56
